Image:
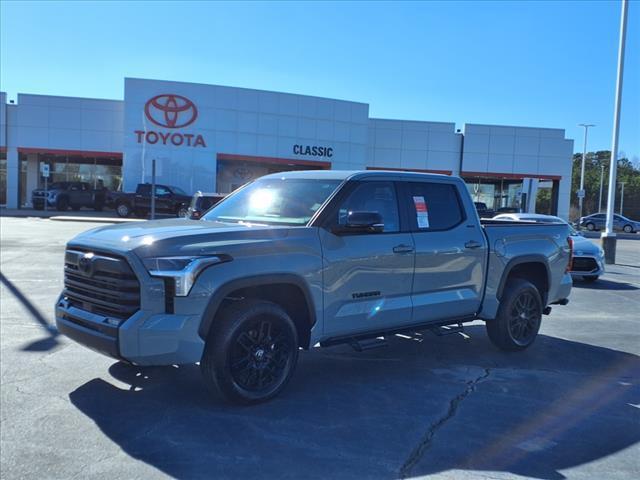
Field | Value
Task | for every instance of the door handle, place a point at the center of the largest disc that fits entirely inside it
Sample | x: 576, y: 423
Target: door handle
x: 472, y: 244
x: 403, y: 248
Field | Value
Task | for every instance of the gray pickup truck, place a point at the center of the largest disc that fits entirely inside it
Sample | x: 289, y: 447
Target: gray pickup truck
x: 299, y: 259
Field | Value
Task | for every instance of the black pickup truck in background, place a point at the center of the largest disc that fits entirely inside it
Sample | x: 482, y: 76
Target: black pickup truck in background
x: 62, y: 195
x: 169, y: 200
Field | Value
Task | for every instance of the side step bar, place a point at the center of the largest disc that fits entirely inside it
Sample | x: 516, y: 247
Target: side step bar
x: 367, y: 341
x: 447, y: 330
x: 368, y: 344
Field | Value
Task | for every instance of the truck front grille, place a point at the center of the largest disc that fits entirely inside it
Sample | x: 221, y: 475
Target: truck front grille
x: 100, y: 283
x: 584, y: 264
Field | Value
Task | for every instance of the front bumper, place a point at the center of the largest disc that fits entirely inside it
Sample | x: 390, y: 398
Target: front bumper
x: 587, y: 266
x: 143, y: 339
x: 39, y: 201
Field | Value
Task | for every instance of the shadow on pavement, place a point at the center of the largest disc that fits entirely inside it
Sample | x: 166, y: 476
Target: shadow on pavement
x: 44, y: 344
x: 375, y: 414
x: 604, y: 284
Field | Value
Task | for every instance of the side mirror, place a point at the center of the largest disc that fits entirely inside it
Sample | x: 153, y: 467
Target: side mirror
x: 362, y: 222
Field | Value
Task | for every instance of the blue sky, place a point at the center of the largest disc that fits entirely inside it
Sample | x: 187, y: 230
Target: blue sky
x: 547, y: 64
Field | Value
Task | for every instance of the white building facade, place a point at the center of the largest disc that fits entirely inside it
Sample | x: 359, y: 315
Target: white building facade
x: 214, y: 139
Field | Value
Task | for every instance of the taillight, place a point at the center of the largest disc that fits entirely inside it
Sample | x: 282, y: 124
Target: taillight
x: 570, y: 263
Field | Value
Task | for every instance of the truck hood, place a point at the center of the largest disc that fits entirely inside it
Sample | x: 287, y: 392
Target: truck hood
x: 176, y: 237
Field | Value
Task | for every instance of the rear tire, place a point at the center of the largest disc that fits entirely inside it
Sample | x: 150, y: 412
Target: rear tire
x: 519, y: 316
x: 123, y: 210
x: 251, y: 352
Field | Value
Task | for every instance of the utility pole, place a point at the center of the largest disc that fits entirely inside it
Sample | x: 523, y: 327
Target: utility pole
x: 609, y: 237
x: 621, y: 196
x: 601, y: 185
x: 584, y: 157
x: 153, y: 189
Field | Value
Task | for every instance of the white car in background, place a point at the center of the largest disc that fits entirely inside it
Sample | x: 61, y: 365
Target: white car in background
x: 588, y: 258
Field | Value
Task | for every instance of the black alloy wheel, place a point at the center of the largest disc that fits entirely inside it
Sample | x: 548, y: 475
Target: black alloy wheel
x: 524, y: 319
x: 518, y: 318
x: 251, y: 351
x: 260, y: 355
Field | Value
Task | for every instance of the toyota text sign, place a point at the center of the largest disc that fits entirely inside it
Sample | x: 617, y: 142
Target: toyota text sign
x: 173, y: 112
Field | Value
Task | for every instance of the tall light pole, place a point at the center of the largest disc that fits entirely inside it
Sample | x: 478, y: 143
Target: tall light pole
x: 584, y: 157
x: 621, y: 196
x: 601, y: 184
x: 609, y: 236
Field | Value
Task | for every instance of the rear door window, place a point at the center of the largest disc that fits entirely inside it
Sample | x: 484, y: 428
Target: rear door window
x: 434, y: 206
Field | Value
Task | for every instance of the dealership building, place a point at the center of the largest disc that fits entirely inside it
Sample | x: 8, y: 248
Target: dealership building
x: 214, y: 139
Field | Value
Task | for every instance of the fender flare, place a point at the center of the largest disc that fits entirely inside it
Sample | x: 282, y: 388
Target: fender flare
x: 519, y: 260
x: 255, y: 281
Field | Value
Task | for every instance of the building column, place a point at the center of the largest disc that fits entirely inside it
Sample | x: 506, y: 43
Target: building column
x: 13, y: 177
x: 32, y: 177
x: 564, y: 197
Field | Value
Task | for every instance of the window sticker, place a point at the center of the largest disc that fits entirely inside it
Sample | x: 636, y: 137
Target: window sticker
x: 422, y: 213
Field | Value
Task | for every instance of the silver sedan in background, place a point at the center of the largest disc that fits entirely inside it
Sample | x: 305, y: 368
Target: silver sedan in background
x: 588, y: 258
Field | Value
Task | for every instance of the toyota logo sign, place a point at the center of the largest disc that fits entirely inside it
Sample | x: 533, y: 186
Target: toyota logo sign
x: 171, y: 111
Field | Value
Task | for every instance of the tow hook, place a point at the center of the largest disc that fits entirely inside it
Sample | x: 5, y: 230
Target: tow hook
x: 546, y: 311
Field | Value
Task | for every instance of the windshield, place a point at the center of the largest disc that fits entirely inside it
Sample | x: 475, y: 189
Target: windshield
x: 276, y: 201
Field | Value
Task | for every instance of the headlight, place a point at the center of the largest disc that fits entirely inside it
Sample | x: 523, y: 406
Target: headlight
x: 183, y: 271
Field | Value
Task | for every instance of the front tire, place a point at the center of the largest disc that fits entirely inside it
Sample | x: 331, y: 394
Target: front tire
x: 251, y: 352
x: 627, y: 229
x: 62, y: 204
x: 182, y: 212
x: 591, y: 227
x: 519, y: 316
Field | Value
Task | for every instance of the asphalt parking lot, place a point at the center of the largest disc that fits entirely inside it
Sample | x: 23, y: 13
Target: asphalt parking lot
x: 447, y: 407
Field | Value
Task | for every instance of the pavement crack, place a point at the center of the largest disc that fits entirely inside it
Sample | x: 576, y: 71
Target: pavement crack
x: 425, y: 443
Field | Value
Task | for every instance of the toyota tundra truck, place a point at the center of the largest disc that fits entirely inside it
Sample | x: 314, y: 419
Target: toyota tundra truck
x: 301, y: 259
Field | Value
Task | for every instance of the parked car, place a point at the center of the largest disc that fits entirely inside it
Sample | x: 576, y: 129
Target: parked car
x: 588, y: 258
x: 169, y: 200
x: 296, y: 259
x: 483, y: 210
x: 201, y: 202
x: 62, y: 195
x: 597, y: 221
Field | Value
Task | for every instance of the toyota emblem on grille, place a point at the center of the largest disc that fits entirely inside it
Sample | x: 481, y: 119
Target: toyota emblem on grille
x: 85, y: 264
x: 171, y: 111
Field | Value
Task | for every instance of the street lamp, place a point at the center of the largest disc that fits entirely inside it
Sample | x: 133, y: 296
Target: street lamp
x: 601, y: 185
x: 608, y: 238
x: 584, y: 156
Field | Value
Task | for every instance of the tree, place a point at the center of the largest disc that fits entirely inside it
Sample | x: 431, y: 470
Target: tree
x: 627, y: 172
